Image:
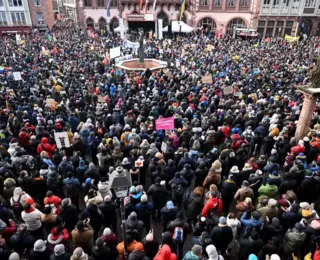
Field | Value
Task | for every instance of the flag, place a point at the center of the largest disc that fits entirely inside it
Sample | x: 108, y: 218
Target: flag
x: 182, y: 7
x: 141, y: 3
x: 49, y: 37
x: 154, y: 5
x: 146, y: 7
x: 108, y: 8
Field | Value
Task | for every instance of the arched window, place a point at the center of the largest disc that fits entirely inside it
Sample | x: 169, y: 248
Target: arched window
x: 237, y: 22
x: 114, y: 23
x: 207, y: 23
x: 305, y: 26
x: 90, y: 22
x: 102, y: 23
x: 164, y: 17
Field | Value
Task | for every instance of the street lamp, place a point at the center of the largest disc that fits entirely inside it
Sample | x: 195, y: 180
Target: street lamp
x: 120, y: 181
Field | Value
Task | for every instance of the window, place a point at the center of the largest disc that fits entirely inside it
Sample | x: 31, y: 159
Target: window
x: 3, y: 19
x: 231, y: 3
x: 114, y: 3
x: 15, y: 2
x: 1, y: 2
x: 37, y: 2
x: 101, y: 3
x: 261, y: 26
x: 18, y: 18
x: 87, y: 2
x: 203, y: 2
x: 275, y: 2
x: 244, y: 2
x: 217, y: 2
x: 207, y: 23
x: 266, y: 2
x: 40, y: 18
x: 286, y: 2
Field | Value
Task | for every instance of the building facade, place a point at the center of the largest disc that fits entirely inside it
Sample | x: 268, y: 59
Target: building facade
x: 14, y: 16
x: 292, y: 17
x: 42, y: 15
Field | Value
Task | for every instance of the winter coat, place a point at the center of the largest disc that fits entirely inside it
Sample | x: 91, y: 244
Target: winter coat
x: 195, y: 205
x: 221, y: 236
x: 20, y: 242
x: 143, y: 210
x: 104, y: 188
x: 65, y: 167
x: 200, y: 174
x: 5, y: 215
x: 96, y: 220
x: 150, y: 247
x: 242, y: 207
x: 134, y: 245
x: 83, y: 238
x: 101, y: 253
x: 190, y: 256
x: 108, y: 210
x: 294, y: 241
x: 235, y: 224
x: 53, y: 201
x: 69, y: 216
x: 159, y: 195
x: 9, y: 186
x: 45, y: 146
x: 269, y: 212
x: 249, y: 246
x: 251, y: 223
x: 138, y: 255
x: 243, y: 193
x: 211, y: 204
x: 32, y: 219
x: 212, y: 178
x: 228, y: 189
x: 45, y: 255
x: 164, y: 253
x: 268, y: 190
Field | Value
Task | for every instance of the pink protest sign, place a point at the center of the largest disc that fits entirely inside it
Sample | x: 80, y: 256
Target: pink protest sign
x: 165, y: 123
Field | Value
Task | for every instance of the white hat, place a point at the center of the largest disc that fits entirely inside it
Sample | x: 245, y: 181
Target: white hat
x: 107, y: 232
x: 144, y: 198
x: 39, y: 246
x: 275, y: 257
x: 234, y: 169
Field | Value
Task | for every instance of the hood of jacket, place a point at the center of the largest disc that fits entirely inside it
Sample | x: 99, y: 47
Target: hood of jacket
x: 104, y: 187
x: 17, y: 193
x: 212, y: 252
x: 137, y: 255
x: 9, y: 183
x: 44, y: 140
x: 190, y: 256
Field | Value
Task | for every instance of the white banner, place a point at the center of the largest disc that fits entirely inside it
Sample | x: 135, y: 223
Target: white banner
x: 17, y: 75
x: 126, y: 57
x: 115, y: 52
x: 160, y: 29
x: 18, y: 39
x: 61, y: 139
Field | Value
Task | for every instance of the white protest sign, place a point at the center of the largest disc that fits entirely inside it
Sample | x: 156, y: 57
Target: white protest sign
x: 115, y: 52
x: 17, y: 75
x: 61, y: 139
x: 164, y: 147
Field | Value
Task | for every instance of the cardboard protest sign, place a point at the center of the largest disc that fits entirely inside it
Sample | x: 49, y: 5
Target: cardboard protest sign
x: 51, y: 103
x: 138, y: 164
x: 237, y: 94
x: 17, y: 75
x: 228, y: 90
x: 115, y: 52
x: 62, y: 139
x: 100, y: 99
x: 207, y: 79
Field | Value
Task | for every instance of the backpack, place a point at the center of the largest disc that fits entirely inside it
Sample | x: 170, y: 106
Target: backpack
x: 196, y: 145
x: 177, y: 190
x: 177, y: 235
x: 213, y: 213
x: 127, y: 137
x: 17, y: 207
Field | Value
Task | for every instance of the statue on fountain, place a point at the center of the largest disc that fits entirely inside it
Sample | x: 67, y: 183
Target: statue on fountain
x: 141, y: 49
x: 315, y: 75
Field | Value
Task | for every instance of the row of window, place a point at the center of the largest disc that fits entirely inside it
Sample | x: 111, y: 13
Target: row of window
x: 229, y: 3
x: 15, y: 3
x: 100, y: 3
x: 18, y: 18
x: 274, y: 28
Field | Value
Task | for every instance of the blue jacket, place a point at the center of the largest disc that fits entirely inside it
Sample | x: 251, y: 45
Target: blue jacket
x: 177, y: 181
x: 251, y: 223
x: 190, y: 256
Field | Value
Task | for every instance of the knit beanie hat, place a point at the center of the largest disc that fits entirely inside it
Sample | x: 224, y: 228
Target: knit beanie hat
x: 59, y: 250
x: 14, y: 256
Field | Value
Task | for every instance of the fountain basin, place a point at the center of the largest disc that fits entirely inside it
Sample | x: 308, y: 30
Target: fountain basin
x: 135, y: 65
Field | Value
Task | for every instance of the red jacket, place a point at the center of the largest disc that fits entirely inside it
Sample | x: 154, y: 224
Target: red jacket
x: 44, y: 146
x: 297, y: 149
x: 164, y: 253
x: 24, y: 138
x: 60, y: 238
x: 211, y: 204
x: 8, y: 231
x: 53, y: 200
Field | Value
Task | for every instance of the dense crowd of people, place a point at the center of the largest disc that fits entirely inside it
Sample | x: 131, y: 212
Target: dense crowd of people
x: 230, y: 181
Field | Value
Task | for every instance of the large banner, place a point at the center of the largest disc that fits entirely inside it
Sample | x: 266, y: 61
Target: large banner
x: 160, y: 29
x: 115, y: 52
x: 61, y: 139
x: 165, y: 123
x: 289, y: 38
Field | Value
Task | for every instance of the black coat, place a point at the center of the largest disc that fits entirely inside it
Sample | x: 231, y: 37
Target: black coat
x: 65, y: 256
x: 108, y: 209
x: 96, y: 219
x: 306, y: 186
x: 138, y: 255
x: 20, y: 242
x: 101, y: 253
x: 45, y: 255
x: 69, y: 216
x: 195, y: 204
x: 228, y: 189
x: 270, y: 249
x: 221, y: 237
x: 249, y: 246
x: 159, y: 195
x: 289, y: 219
x: 200, y: 174
x: 150, y: 248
